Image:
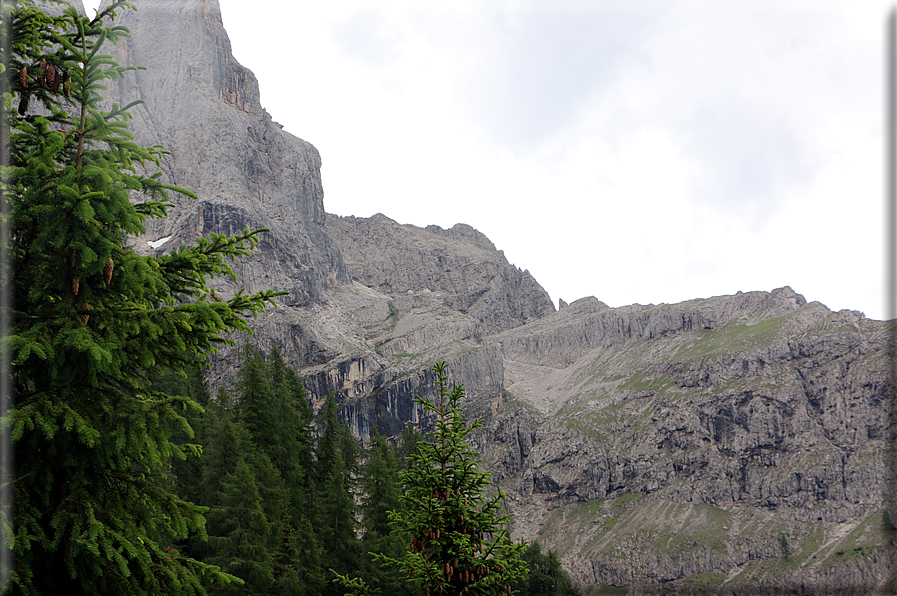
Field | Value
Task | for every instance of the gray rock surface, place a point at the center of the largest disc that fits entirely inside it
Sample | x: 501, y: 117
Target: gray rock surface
x: 204, y: 108
x: 461, y: 262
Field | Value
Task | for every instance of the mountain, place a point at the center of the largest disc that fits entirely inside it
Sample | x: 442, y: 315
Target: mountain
x: 734, y: 444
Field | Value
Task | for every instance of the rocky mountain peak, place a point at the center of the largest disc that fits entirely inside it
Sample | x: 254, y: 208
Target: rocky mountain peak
x: 204, y: 107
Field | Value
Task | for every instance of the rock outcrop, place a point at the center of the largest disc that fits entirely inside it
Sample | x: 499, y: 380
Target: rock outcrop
x: 461, y: 262
x: 738, y: 443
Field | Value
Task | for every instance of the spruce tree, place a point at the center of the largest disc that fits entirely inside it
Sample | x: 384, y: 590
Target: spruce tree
x: 335, y: 523
x: 380, y: 491
x: 241, y: 546
x: 94, y: 323
x: 452, y: 512
x: 545, y: 576
x: 298, y: 569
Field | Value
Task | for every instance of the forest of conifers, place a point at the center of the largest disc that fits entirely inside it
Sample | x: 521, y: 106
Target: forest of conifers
x: 292, y: 496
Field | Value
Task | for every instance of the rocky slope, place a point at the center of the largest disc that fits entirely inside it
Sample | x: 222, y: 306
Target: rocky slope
x: 399, y: 259
x: 737, y: 443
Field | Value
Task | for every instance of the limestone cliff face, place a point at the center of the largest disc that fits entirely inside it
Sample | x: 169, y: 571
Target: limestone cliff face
x: 477, y: 278
x: 740, y: 442
x: 204, y: 108
x: 737, y: 444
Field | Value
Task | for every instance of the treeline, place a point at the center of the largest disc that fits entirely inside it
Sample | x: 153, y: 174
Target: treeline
x: 291, y: 496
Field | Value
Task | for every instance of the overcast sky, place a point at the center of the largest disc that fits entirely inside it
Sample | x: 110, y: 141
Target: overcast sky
x: 639, y: 152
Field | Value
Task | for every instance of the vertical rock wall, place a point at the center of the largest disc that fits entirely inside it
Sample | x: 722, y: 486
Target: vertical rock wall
x: 205, y: 108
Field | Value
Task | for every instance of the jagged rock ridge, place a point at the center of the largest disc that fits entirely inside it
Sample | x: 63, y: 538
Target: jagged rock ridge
x: 461, y: 261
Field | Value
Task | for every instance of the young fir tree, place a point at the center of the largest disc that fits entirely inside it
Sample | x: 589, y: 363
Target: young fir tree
x: 94, y: 322
x: 451, y: 512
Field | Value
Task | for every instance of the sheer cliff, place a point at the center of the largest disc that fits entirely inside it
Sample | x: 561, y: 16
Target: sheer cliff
x: 205, y: 109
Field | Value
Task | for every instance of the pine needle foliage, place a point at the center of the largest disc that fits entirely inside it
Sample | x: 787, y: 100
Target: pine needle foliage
x: 93, y: 323
x: 451, y: 512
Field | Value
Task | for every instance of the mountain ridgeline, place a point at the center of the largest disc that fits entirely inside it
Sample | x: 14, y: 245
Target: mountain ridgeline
x: 736, y: 444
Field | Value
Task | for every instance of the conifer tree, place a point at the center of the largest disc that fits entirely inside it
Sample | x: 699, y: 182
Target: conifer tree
x: 544, y: 576
x: 379, y: 486
x: 380, y: 491
x: 276, y: 410
x: 241, y: 548
x: 335, y: 523
x: 94, y: 323
x: 452, y: 512
x: 298, y: 569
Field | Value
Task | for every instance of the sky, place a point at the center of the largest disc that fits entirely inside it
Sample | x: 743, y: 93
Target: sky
x: 636, y: 151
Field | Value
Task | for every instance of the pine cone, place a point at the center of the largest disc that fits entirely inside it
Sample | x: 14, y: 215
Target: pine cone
x: 23, y: 77
x: 43, y: 71
x: 67, y: 87
x: 107, y: 271
x: 85, y: 317
x: 76, y: 283
x: 51, y: 76
x: 23, y: 104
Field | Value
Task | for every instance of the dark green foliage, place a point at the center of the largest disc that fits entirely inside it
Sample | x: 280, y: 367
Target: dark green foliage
x: 380, y: 494
x: 298, y: 561
x: 334, y: 520
x: 380, y: 487
x: 452, y: 516
x: 262, y: 423
x: 241, y: 544
x: 545, y: 576
x: 785, y: 547
x: 289, y: 440
x: 94, y: 323
x: 186, y: 474
x: 407, y: 445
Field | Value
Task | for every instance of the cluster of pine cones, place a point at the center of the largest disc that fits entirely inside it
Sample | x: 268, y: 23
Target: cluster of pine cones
x: 50, y: 76
x: 107, y: 279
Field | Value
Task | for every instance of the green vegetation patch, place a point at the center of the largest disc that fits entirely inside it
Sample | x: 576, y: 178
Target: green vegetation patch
x: 705, y: 580
x: 873, y: 533
x: 642, y: 381
x: 393, y: 315
x: 732, y: 338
